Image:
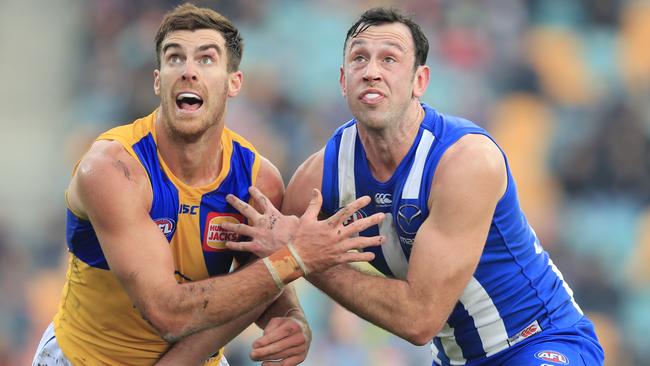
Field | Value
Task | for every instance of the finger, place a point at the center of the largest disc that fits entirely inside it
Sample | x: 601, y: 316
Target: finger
x: 283, y: 349
x: 241, y: 229
x: 293, y: 361
x: 274, y: 323
x: 261, y: 201
x: 243, y: 207
x: 282, y: 352
x: 243, y: 246
x: 351, y: 257
x: 362, y: 224
x: 294, y: 352
x: 314, y: 205
x: 272, y: 363
x: 347, y: 211
x: 274, y: 335
x: 290, y: 361
x: 361, y: 242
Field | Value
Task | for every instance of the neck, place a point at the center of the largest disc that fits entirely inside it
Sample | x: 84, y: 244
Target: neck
x: 196, y: 160
x: 386, y: 147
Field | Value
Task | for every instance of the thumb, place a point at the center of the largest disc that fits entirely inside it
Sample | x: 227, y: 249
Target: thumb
x: 314, y: 205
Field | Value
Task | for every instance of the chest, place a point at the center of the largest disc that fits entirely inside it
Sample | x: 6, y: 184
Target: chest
x: 192, y: 223
x: 403, y: 218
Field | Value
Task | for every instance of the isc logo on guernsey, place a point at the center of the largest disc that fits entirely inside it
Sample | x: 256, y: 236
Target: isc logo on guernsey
x: 215, y: 236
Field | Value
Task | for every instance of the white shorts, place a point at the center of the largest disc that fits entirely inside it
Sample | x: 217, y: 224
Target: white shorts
x: 48, y: 352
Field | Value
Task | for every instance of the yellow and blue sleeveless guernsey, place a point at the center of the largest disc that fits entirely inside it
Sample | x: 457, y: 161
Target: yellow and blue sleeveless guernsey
x: 96, y: 322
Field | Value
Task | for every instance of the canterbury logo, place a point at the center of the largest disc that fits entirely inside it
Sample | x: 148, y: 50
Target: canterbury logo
x: 383, y: 199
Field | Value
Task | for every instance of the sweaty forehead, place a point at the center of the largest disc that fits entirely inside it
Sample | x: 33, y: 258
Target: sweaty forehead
x: 393, y: 34
x: 196, y: 38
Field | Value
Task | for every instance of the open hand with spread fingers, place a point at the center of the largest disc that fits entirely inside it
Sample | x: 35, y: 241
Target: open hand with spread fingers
x: 316, y: 244
x: 269, y: 229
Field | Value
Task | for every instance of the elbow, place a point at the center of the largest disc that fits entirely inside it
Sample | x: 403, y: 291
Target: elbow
x: 170, y: 325
x: 419, y: 339
x: 421, y: 332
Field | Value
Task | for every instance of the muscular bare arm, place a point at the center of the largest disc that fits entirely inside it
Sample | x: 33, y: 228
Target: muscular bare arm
x: 468, y: 183
x: 196, y: 348
x: 112, y: 189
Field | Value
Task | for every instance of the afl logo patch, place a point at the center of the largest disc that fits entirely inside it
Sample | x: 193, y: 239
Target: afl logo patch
x: 407, y: 218
x: 358, y: 215
x: 552, y: 356
x: 215, y: 236
x: 167, y: 226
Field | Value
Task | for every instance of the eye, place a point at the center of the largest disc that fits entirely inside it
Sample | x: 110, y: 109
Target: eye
x: 358, y: 58
x: 206, y: 60
x: 389, y: 60
x: 175, y: 59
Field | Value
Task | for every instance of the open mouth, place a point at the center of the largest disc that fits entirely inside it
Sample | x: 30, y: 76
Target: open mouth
x: 189, y: 101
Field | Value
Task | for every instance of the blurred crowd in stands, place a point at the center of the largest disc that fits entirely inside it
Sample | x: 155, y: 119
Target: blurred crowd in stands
x: 563, y: 86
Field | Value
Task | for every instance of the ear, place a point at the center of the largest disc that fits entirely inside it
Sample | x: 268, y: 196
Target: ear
x: 235, y: 81
x: 156, y: 82
x: 342, y: 81
x: 421, y: 80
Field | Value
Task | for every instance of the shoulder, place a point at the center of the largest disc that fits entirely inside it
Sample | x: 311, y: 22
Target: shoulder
x: 106, y: 169
x: 269, y: 181
x: 309, y: 175
x: 473, y: 160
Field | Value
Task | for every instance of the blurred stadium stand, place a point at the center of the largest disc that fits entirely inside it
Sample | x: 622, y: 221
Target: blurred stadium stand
x: 564, y: 86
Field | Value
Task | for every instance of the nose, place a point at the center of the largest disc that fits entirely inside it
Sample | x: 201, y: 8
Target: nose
x: 372, y: 72
x: 190, y: 72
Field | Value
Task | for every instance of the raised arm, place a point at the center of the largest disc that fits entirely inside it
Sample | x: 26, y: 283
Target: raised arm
x: 467, y: 185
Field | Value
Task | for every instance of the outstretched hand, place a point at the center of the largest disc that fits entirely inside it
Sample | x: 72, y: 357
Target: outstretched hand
x: 320, y: 244
x: 269, y: 229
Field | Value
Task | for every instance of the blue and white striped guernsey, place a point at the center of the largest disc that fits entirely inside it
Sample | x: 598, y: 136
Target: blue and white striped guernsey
x: 516, y: 290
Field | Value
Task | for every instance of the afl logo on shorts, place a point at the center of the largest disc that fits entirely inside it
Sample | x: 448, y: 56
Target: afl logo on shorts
x: 215, y: 236
x: 167, y: 226
x: 552, y: 356
x: 358, y: 215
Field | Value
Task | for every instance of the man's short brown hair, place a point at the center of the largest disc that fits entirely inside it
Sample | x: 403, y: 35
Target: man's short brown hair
x: 189, y: 17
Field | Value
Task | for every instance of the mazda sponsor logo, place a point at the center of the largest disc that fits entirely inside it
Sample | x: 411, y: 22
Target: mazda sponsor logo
x: 406, y: 218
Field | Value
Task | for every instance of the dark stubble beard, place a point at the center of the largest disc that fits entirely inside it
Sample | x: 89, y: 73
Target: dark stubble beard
x: 188, y: 137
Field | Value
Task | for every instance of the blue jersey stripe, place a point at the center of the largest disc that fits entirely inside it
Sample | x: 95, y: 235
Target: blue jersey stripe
x: 82, y: 241
x: 165, y: 203
x: 237, y: 181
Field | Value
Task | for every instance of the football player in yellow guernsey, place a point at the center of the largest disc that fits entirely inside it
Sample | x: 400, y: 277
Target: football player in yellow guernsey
x: 148, y: 279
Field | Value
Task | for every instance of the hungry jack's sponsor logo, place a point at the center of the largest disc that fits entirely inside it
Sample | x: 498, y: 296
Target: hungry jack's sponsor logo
x: 215, y: 236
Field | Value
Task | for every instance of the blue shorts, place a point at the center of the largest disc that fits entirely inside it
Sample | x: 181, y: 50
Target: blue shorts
x: 574, y: 346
